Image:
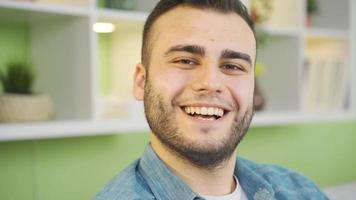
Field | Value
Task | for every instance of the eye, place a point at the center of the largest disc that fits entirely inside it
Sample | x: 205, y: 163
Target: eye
x: 232, y: 68
x: 185, y: 62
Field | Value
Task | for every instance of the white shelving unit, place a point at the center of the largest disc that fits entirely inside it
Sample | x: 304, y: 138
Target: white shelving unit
x: 89, y: 75
x: 122, y: 14
x: 39, y: 7
x: 328, y: 33
x: 288, y: 58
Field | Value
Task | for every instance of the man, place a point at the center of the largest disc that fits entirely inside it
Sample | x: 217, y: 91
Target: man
x: 197, y: 83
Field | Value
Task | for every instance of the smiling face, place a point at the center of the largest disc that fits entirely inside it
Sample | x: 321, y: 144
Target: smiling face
x: 198, y: 90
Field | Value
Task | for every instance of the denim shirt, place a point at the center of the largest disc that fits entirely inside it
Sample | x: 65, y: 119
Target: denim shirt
x: 149, y: 178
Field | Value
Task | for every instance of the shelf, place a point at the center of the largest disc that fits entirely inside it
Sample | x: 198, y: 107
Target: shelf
x: 116, y: 14
x: 327, y: 33
x: 62, y: 129
x: 65, y: 129
x: 43, y: 8
x: 281, y: 31
x: 288, y: 118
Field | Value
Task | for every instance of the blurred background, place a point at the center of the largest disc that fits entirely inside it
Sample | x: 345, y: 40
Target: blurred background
x: 69, y: 123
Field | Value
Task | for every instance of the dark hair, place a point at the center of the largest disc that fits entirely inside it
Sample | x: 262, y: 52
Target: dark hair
x: 163, y: 6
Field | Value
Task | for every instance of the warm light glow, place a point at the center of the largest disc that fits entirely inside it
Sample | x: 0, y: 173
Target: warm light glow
x: 102, y: 27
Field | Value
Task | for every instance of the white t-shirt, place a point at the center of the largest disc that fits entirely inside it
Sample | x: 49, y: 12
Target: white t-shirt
x: 237, y: 194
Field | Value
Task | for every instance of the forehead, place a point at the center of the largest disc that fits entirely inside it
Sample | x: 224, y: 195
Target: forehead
x: 205, y: 27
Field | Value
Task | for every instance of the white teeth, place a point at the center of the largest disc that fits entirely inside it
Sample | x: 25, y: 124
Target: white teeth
x: 204, y: 111
x: 211, y: 111
x: 198, y: 111
x: 221, y: 112
x: 216, y: 111
x: 187, y: 110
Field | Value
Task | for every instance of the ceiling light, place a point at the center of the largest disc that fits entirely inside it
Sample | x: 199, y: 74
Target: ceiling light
x: 102, y: 27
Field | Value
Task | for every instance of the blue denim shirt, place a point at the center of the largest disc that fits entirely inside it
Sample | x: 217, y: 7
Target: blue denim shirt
x: 149, y: 178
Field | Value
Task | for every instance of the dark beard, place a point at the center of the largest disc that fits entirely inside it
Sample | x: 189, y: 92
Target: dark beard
x: 166, y: 130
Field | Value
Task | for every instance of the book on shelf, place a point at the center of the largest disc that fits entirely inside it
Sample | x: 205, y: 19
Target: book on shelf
x: 325, y: 85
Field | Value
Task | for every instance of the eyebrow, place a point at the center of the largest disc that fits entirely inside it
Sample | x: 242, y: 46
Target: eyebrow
x: 199, y: 50
x: 230, y: 54
x: 193, y: 49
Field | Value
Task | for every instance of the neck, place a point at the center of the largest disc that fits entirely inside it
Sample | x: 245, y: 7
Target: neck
x: 212, y: 181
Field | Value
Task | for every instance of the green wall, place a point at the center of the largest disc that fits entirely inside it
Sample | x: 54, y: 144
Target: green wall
x: 13, y: 43
x: 76, y: 168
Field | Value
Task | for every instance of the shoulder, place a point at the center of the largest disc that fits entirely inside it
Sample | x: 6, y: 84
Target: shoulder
x: 284, y: 182
x: 272, y: 172
x: 128, y: 185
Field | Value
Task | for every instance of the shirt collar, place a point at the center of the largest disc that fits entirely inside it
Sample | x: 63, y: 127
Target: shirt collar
x: 236, y: 194
x: 163, y: 183
x: 251, y: 180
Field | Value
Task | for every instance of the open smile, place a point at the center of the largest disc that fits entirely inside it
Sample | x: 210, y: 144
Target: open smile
x: 207, y: 113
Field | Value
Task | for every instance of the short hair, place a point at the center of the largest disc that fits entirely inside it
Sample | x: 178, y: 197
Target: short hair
x: 163, y: 6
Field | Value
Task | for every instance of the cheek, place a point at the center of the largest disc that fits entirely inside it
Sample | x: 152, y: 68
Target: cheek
x: 242, y: 91
x: 171, y: 81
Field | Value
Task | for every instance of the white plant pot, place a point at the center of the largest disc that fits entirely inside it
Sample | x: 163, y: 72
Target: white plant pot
x: 25, y: 108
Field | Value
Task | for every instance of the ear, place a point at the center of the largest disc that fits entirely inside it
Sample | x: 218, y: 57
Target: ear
x: 139, y: 80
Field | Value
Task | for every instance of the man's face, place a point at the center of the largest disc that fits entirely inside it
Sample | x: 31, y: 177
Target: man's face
x: 198, y: 90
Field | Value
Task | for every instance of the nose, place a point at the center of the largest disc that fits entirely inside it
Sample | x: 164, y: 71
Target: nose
x: 208, y: 79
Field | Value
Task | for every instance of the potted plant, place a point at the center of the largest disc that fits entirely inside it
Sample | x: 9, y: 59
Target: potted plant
x: 19, y: 103
x: 120, y: 4
x: 312, y: 9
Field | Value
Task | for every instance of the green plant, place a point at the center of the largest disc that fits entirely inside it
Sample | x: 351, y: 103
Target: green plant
x: 17, y: 78
x: 312, y: 6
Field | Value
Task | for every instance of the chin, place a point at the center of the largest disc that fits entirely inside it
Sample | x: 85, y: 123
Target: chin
x: 207, y: 138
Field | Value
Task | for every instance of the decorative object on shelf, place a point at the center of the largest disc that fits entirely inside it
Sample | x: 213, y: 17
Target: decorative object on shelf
x: 259, y: 100
x: 114, y: 107
x: 19, y: 103
x: 121, y: 4
x: 312, y: 9
x: 260, y: 13
x: 261, y: 10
